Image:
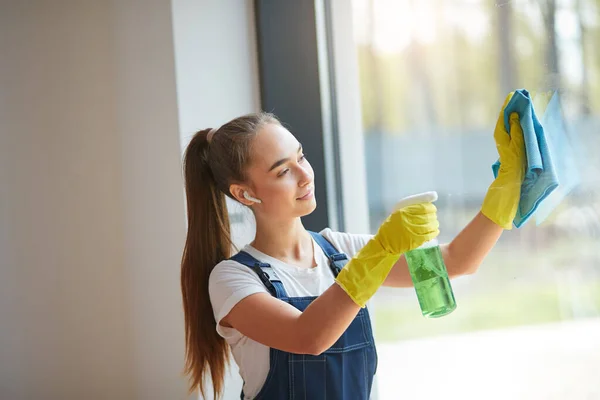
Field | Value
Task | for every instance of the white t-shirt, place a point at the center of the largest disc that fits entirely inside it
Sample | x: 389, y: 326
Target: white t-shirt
x: 231, y: 281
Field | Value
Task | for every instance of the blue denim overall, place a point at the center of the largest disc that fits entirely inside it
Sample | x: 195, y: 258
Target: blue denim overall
x: 344, y: 371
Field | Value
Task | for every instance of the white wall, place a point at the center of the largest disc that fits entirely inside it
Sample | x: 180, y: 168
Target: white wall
x: 217, y: 74
x: 217, y: 80
x: 91, y: 207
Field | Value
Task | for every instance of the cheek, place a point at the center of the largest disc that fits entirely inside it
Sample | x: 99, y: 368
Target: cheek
x: 282, y: 187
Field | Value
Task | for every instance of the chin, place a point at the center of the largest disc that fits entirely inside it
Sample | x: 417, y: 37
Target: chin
x: 308, y: 208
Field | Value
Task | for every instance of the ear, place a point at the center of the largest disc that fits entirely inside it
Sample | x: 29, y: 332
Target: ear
x: 237, y: 191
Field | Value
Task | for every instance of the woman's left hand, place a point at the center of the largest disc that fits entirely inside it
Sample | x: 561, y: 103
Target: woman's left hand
x: 502, y: 199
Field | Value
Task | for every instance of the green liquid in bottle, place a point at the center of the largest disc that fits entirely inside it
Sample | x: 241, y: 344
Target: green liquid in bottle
x: 431, y: 282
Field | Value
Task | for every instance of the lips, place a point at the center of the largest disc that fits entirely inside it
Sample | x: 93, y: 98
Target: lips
x: 307, y: 195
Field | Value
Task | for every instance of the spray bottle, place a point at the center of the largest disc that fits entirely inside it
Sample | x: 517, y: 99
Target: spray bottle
x: 428, y: 271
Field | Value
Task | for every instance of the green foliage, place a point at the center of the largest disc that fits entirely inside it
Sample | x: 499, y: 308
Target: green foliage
x: 454, y: 81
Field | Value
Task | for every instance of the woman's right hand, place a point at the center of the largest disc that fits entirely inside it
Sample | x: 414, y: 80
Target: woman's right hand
x: 408, y: 228
x: 405, y: 229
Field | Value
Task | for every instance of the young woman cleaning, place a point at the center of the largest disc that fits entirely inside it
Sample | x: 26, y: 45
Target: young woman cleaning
x: 291, y: 305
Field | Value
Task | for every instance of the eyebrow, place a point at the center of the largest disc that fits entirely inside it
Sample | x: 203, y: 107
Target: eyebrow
x: 283, y: 160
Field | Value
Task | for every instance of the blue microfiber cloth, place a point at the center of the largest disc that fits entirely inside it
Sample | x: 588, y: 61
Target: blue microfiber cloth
x: 540, y: 175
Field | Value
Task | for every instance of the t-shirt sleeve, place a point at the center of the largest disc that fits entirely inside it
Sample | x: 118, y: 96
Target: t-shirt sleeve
x: 228, y: 284
x: 349, y: 243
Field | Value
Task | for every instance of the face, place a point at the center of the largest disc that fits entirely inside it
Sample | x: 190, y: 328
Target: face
x: 280, y: 175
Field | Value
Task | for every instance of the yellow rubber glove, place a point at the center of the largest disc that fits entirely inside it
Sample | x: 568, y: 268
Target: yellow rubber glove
x: 405, y: 229
x: 502, y: 199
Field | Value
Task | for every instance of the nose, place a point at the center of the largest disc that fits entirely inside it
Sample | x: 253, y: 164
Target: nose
x: 306, y: 176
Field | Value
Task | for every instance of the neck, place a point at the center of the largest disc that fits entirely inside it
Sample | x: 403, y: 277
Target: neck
x: 286, y: 240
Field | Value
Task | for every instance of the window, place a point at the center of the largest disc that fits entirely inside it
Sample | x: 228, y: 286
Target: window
x: 433, y: 76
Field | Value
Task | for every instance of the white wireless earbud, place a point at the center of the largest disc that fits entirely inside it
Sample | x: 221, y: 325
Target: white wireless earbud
x: 248, y: 197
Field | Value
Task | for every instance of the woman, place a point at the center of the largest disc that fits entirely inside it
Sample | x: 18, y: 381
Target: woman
x: 294, y: 319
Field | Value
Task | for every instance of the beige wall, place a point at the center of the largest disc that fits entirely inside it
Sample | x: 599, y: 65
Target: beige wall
x: 91, y: 208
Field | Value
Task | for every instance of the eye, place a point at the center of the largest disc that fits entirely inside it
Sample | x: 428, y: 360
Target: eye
x: 303, y: 157
x: 282, y: 173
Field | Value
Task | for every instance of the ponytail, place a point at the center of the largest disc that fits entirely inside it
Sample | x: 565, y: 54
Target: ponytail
x: 208, y: 242
x: 208, y: 172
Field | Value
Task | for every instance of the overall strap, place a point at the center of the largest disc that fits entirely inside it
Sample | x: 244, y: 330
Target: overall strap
x: 273, y: 285
x: 337, y: 260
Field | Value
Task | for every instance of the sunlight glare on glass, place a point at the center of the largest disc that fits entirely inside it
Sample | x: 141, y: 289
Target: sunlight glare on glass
x: 396, y: 23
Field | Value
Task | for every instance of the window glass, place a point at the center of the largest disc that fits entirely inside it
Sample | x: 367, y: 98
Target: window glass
x: 433, y: 77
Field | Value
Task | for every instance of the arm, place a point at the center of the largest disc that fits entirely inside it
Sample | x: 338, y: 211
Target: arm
x: 462, y: 256
x: 466, y: 252
x: 277, y: 324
